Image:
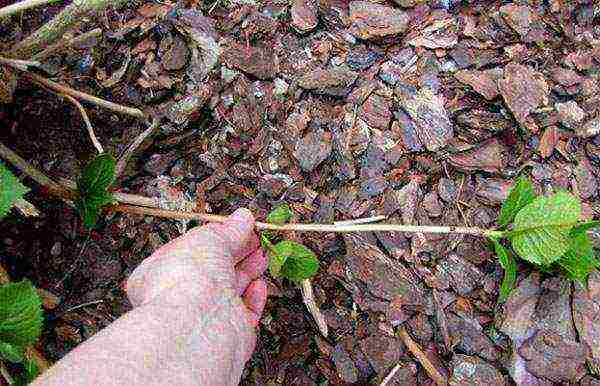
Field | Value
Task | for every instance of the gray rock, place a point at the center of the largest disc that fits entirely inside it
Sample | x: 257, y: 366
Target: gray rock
x: 473, y: 371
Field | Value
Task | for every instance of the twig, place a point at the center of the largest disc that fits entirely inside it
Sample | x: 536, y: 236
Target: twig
x: 82, y: 305
x: 6, y: 374
x: 64, y: 44
x: 59, y: 88
x: 21, y: 6
x: 19, y: 64
x: 366, y: 220
x: 88, y: 124
x: 26, y: 208
x: 122, y: 163
x: 26, y: 168
x: 390, y: 375
x: 51, y: 31
x: 331, y: 228
x: 313, y: 308
x: 414, y: 348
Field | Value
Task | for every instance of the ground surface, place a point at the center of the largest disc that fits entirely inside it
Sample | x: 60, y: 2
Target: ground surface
x: 421, y: 112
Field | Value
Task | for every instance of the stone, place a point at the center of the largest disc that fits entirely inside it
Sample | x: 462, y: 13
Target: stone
x: 335, y: 81
x: 589, y: 129
x: 490, y: 156
x: 586, y: 315
x: 548, y: 355
x: 474, y: 371
x: 483, y: 82
x: 467, y: 335
x: 258, y: 61
x: 175, y: 53
x: 523, y: 90
x: 518, y: 17
x: 343, y: 363
x: 570, y: 114
x: 304, y: 15
x: 426, y: 109
x: 369, y: 20
x: 313, y: 149
x: 382, y: 351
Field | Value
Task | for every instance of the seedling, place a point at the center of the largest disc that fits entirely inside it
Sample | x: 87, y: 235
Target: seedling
x: 287, y: 258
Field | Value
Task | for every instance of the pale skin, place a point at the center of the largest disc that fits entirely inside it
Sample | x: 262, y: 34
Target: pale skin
x: 196, y: 303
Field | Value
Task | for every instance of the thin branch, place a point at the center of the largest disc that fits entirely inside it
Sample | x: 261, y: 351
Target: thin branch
x: 390, y: 375
x: 418, y: 353
x: 309, y: 300
x: 53, y: 30
x: 32, y: 172
x: 88, y: 124
x: 26, y: 208
x: 65, y: 44
x: 19, y: 64
x: 6, y: 374
x: 122, y: 163
x: 21, y: 6
x: 366, y: 220
x: 330, y: 228
x: 59, y: 88
x: 82, y: 305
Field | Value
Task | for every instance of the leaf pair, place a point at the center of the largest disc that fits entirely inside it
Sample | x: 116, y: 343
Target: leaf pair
x: 288, y: 258
x: 11, y: 190
x: 97, y: 177
x: 546, y: 231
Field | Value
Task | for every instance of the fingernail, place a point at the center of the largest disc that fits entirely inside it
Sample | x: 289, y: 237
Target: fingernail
x: 242, y: 215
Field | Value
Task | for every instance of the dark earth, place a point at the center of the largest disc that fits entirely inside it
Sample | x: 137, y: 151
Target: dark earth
x: 422, y: 111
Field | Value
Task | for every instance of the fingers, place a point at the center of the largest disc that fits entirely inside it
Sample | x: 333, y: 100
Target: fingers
x: 250, y: 269
x: 255, y: 298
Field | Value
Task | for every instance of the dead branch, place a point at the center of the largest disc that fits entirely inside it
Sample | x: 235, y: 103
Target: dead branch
x: 59, y: 88
x: 134, y: 145
x: 54, y: 29
x: 418, y: 353
x: 19, y: 64
x: 66, y: 44
x: 88, y: 124
x: 21, y: 6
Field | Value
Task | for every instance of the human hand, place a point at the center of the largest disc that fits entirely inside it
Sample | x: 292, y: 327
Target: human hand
x: 211, y: 273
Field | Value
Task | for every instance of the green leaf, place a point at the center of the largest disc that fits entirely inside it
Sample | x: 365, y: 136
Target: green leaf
x: 93, y: 186
x: 11, y: 190
x: 20, y: 314
x: 280, y: 215
x: 98, y: 175
x: 579, y: 260
x: 90, y: 207
x: 11, y: 353
x: 541, y: 228
x: 520, y: 195
x: 293, y: 261
x: 510, y: 271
